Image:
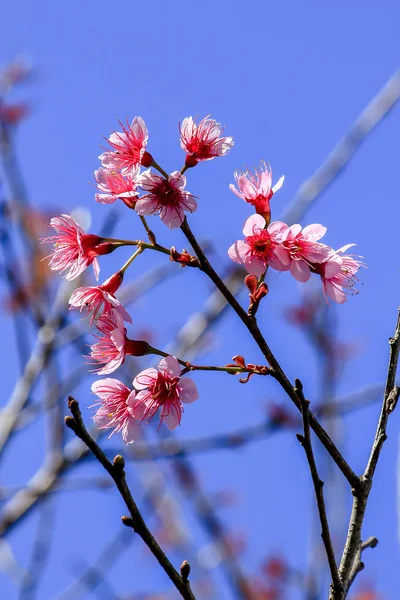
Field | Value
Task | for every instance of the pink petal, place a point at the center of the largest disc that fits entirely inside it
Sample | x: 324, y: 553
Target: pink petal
x: 278, y: 184
x: 314, y: 232
x: 335, y: 292
x: 169, y: 365
x: 255, y: 221
x: 295, y: 229
x: 130, y: 430
x: 277, y: 227
x: 188, y: 391
x: 103, y: 388
x: 255, y: 266
x: 105, y: 198
x: 238, y: 252
x: 283, y: 255
x: 172, y: 418
x: 145, y: 378
x: 96, y: 269
x: 300, y: 270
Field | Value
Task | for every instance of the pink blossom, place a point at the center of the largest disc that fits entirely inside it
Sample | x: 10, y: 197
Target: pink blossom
x: 100, y: 299
x: 109, y: 350
x: 74, y: 249
x: 338, y: 274
x: 114, y: 185
x: 163, y: 387
x: 256, y: 188
x: 259, y: 249
x: 165, y: 197
x: 114, y: 408
x: 113, y: 345
x: 128, y: 148
x: 203, y: 141
x: 299, y: 249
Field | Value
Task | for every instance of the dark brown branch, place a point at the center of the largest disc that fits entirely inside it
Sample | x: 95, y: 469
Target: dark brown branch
x: 350, y: 563
x: 277, y: 371
x: 136, y: 521
x: 305, y: 441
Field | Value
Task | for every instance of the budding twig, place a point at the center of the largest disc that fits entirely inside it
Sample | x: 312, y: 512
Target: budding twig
x: 135, y: 520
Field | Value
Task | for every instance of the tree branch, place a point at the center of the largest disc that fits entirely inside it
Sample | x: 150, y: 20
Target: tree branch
x: 136, y: 521
x: 277, y: 371
x: 350, y: 564
x: 305, y: 441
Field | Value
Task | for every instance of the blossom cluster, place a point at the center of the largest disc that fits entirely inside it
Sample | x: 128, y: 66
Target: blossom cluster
x: 288, y: 248
x: 165, y: 194
x: 266, y: 244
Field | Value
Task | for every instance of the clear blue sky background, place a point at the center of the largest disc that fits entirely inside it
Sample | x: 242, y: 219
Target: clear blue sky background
x: 287, y: 79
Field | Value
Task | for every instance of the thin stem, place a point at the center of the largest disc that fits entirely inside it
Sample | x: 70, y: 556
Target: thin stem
x: 276, y: 370
x: 231, y: 369
x: 131, y: 259
x: 318, y: 487
x: 150, y: 234
x: 136, y: 521
x: 184, y: 168
x: 160, y: 169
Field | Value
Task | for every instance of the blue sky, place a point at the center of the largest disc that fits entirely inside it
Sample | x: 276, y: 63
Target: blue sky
x: 287, y: 80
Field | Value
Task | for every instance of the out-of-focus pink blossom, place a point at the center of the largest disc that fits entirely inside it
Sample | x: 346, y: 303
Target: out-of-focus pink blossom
x: 338, y: 274
x: 258, y: 250
x: 203, y: 141
x: 74, y: 250
x: 113, y: 185
x: 163, y: 388
x: 114, y: 409
x: 299, y: 249
x: 255, y: 187
x: 165, y: 197
x: 16, y: 72
x: 128, y: 148
x: 12, y: 114
x: 100, y: 299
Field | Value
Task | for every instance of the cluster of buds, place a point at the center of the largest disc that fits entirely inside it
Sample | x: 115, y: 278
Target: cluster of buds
x: 184, y: 258
x: 239, y: 361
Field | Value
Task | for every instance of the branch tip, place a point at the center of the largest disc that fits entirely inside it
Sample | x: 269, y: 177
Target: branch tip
x: 128, y: 521
x: 185, y: 570
x: 119, y: 462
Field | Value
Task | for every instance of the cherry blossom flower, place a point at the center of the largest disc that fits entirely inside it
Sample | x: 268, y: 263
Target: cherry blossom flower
x: 113, y: 185
x: 114, y: 408
x: 259, y: 249
x: 165, y: 197
x: 113, y: 345
x: 128, y: 148
x: 100, y: 299
x: 338, y: 274
x: 163, y: 388
x: 109, y: 349
x: 203, y: 141
x: 256, y: 188
x: 74, y: 250
x: 299, y: 248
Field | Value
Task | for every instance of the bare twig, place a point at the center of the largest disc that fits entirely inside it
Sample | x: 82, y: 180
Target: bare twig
x: 116, y: 471
x: 350, y: 563
x: 305, y: 441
